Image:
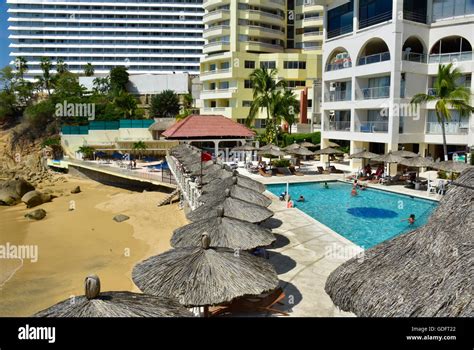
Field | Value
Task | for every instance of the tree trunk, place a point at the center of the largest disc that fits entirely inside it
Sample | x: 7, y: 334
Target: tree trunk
x: 443, y: 130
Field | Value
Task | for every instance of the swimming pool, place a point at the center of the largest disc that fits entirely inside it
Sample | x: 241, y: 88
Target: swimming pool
x: 367, y: 219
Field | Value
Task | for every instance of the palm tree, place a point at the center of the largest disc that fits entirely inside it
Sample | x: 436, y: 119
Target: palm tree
x: 61, y: 66
x: 448, y: 93
x: 139, y: 146
x: 89, y: 70
x: 165, y: 105
x: 286, y: 107
x: 21, y: 67
x: 264, y: 85
x: 46, y: 80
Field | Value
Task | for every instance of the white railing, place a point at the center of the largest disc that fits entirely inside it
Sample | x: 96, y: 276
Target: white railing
x: 338, y: 126
x: 334, y: 96
x: 379, y: 57
x: 315, y: 32
x: 372, y: 126
x: 210, y: 29
x: 263, y: 13
x: 188, y: 185
x: 216, y: 43
x: 374, y: 93
x: 450, y: 57
x: 451, y: 128
x: 215, y: 12
x: 216, y: 71
x: 266, y: 29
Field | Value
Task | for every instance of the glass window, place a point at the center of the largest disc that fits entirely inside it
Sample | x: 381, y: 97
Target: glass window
x: 250, y: 64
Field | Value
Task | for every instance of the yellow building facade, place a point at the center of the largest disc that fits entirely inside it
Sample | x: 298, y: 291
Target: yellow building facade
x: 242, y: 35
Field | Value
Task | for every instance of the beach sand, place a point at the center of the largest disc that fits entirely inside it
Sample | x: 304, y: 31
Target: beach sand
x: 74, y: 244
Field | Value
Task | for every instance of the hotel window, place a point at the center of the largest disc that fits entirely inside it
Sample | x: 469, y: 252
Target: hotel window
x: 260, y: 123
x: 248, y: 84
x: 268, y: 64
x: 372, y: 12
x: 241, y: 121
x: 310, y: 103
x: 294, y: 65
x: 452, y: 8
x: 225, y: 65
x: 295, y: 83
x: 250, y: 64
x: 247, y: 103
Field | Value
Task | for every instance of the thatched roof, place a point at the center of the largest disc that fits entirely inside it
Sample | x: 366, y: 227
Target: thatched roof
x: 328, y: 150
x: 271, y: 152
x: 417, y: 162
x: 201, y: 276
x: 233, y: 208
x: 218, y: 174
x: 450, y: 166
x: 404, y: 154
x: 388, y: 158
x: 308, y: 144
x: 301, y: 151
x: 330, y: 144
x: 426, y: 272
x: 235, y: 191
x: 115, y: 304
x: 269, y: 146
x: 223, y: 232
x: 244, y: 181
x: 363, y: 155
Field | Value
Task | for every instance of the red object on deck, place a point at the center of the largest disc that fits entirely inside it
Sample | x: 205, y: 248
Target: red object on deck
x: 304, y: 106
x: 205, y: 157
x: 207, y: 126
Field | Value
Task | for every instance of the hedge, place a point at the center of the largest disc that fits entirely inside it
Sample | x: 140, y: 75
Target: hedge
x: 289, y: 139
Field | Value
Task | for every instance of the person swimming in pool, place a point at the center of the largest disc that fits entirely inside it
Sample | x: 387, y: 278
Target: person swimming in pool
x: 354, y: 192
x: 411, y: 220
x: 300, y: 199
x: 326, y: 186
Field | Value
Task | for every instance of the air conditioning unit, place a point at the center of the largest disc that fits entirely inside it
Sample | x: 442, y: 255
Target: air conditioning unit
x: 342, y: 56
x: 346, y: 64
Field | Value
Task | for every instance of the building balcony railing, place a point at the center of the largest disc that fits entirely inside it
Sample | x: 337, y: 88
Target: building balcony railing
x: 379, y: 57
x: 273, y: 46
x: 340, y: 31
x: 216, y: 71
x: 372, y: 126
x: 338, y: 66
x: 374, y: 93
x: 373, y: 20
x: 415, y: 17
x: 266, y: 29
x: 315, y: 32
x: 268, y: 14
x: 338, y: 126
x: 207, y: 30
x: 414, y: 57
x: 451, y: 128
x: 216, y: 43
x: 215, y: 12
x: 450, y: 57
x: 335, y: 96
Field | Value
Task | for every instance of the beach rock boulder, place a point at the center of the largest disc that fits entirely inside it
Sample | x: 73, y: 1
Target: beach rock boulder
x: 35, y: 198
x: 12, y: 191
x: 76, y: 189
x: 121, y: 217
x: 37, y: 214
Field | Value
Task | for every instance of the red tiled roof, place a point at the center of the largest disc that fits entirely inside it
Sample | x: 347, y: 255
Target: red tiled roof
x: 199, y: 126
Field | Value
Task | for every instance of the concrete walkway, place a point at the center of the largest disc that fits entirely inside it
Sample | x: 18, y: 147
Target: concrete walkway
x: 305, y: 253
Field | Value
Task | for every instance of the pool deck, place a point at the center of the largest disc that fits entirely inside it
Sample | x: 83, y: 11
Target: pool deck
x: 306, y: 251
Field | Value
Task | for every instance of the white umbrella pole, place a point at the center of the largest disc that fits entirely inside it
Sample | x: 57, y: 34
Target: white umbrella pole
x: 287, y: 193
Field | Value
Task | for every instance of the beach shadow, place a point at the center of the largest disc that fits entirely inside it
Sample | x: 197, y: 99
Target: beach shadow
x: 292, y: 297
x: 280, y: 242
x: 271, y: 223
x: 281, y: 263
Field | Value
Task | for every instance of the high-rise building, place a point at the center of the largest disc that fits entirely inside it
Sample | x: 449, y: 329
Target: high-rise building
x: 242, y: 35
x: 378, y: 54
x: 147, y: 36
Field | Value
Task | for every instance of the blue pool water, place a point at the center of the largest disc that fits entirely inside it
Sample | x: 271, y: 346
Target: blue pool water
x: 162, y: 166
x: 367, y: 219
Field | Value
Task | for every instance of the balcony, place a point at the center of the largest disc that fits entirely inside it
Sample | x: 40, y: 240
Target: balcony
x: 336, y: 96
x: 216, y: 15
x: 372, y: 126
x: 338, y: 66
x: 415, y: 57
x: 216, y: 46
x: 215, y: 72
x: 415, y: 17
x: 218, y: 93
x: 344, y: 125
x: 450, y: 57
x: 374, y: 93
x: 451, y: 128
x: 373, y: 20
x: 340, y: 31
x: 216, y: 31
x: 379, y: 57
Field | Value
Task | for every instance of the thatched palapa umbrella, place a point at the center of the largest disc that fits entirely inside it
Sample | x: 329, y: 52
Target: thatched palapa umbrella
x: 417, y: 162
x: 309, y: 144
x: 424, y: 273
x: 330, y: 144
x: 301, y: 151
x: 364, y: 154
x: 114, y: 304
x: 233, y: 208
x: 328, y: 151
x: 450, y: 166
x: 404, y: 154
x: 223, y: 232
x: 203, y: 276
x: 217, y: 175
x: 235, y: 179
x: 235, y: 191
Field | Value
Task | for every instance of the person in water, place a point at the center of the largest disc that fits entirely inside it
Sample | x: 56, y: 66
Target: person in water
x: 411, y: 220
x: 326, y: 186
x: 283, y: 196
x: 301, y: 199
x: 354, y: 192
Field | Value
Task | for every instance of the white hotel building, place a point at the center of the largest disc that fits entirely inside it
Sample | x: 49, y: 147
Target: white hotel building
x: 147, y: 36
x: 380, y: 53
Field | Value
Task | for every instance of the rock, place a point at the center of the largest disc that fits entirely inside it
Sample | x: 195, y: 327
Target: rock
x: 121, y: 217
x: 12, y: 190
x: 76, y: 189
x: 48, y: 191
x: 37, y: 214
x: 35, y: 198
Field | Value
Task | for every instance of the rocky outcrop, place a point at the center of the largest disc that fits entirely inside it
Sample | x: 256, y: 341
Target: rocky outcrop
x: 121, y: 217
x: 12, y: 191
x: 76, y: 189
x: 37, y: 214
x: 35, y: 198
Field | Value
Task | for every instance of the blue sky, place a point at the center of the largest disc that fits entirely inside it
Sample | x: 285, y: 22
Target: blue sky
x: 4, y: 50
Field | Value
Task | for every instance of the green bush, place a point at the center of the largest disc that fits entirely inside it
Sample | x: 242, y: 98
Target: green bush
x: 281, y: 163
x: 289, y: 139
x: 51, y: 141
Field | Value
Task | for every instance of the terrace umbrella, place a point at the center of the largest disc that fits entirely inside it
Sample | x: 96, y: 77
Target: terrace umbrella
x: 364, y: 155
x: 301, y: 151
x: 208, y: 167
x: 217, y: 175
x: 330, y: 144
x: 424, y: 273
x: 114, y: 304
x: 388, y: 158
x: 417, y: 162
x: 450, y: 166
x: 235, y: 179
x: 233, y: 208
x: 204, y: 276
x: 404, y: 154
x: 328, y: 151
x: 269, y: 147
x: 223, y: 232
x: 308, y: 144
x: 292, y: 147
x: 235, y: 191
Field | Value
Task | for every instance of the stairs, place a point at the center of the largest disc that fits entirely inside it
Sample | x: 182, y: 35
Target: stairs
x: 169, y: 198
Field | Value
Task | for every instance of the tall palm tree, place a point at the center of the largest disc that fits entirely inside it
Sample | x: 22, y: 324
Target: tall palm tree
x: 448, y: 94
x: 139, y: 146
x: 264, y: 85
x: 21, y: 66
x: 286, y: 107
x: 45, y: 81
x: 89, y: 70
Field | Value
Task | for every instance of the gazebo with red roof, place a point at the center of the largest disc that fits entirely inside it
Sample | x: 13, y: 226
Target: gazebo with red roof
x: 202, y: 130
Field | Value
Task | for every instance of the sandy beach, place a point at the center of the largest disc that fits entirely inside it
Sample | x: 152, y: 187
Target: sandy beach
x: 73, y: 244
